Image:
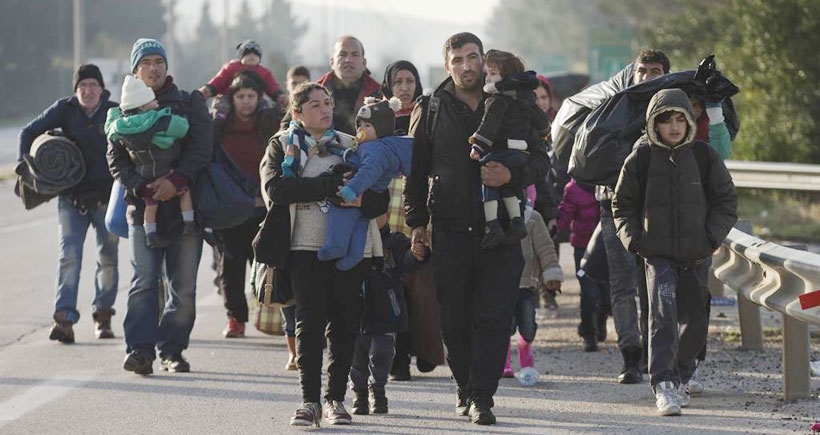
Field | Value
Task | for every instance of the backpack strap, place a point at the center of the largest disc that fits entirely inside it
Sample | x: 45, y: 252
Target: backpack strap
x: 431, y: 119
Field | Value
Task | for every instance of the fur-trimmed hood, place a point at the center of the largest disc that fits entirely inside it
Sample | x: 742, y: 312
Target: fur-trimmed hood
x: 670, y: 100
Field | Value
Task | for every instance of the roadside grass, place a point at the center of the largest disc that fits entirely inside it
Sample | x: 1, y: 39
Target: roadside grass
x: 781, y: 215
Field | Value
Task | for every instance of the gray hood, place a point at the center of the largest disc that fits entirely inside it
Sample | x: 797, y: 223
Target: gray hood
x: 664, y: 101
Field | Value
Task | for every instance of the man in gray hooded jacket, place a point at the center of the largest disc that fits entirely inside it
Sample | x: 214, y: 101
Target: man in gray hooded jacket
x: 674, y: 216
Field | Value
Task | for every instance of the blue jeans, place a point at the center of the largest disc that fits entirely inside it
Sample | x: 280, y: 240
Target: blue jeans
x: 623, y: 282
x: 524, y: 316
x: 144, y: 328
x: 73, y: 229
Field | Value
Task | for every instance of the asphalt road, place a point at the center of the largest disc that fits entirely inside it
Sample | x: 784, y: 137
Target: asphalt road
x: 239, y: 386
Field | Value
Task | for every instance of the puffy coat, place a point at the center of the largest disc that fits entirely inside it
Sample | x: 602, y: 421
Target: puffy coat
x: 580, y: 212
x: 454, y: 198
x: 673, y: 216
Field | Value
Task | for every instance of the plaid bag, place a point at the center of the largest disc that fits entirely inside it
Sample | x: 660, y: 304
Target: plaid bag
x: 268, y: 300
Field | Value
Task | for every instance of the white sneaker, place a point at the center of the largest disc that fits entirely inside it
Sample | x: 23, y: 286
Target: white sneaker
x: 683, y: 396
x: 694, y: 386
x: 666, y: 399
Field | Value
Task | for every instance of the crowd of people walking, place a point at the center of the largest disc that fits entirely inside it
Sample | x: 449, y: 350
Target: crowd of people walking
x: 400, y: 224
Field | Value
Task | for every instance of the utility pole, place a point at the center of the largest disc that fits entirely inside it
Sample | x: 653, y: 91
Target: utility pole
x: 170, y: 36
x: 79, y: 34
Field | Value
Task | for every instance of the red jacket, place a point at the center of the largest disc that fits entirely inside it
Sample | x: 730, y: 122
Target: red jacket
x: 220, y: 83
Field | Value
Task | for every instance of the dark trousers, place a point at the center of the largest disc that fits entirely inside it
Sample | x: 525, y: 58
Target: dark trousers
x: 524, y: 314
x: 477, y: 290
x: 372, y: 358
x: 232, y: 263
x: 403, y: 349
x: 591, y: 299
x: 325, y: 296
x: 678, y: 320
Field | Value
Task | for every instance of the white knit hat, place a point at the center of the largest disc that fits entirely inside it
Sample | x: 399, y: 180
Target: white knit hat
x: 135, y: 93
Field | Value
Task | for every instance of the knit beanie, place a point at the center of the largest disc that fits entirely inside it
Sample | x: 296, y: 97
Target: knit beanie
x: 143, y: 47
x: 382, y: 114
x: 248, y: 46
x: 88, y: 71
x: 135, y: 93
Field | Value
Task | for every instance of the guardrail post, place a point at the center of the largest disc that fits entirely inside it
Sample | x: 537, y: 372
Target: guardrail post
x: 796, y: 370
x: 751, y: 331
x: 796, y: 345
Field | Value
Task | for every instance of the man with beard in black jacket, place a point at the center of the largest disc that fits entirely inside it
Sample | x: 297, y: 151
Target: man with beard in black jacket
x: 476, y: 287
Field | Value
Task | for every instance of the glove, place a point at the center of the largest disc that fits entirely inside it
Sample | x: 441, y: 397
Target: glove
x: 715, y: 113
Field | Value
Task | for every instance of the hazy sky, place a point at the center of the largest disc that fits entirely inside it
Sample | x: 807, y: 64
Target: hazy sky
x: 389, y: 29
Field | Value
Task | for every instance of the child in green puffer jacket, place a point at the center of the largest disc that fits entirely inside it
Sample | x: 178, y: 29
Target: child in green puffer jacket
x: 149, y: 134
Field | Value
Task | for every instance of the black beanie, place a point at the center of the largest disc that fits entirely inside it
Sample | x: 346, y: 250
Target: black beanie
x: 88, y: 71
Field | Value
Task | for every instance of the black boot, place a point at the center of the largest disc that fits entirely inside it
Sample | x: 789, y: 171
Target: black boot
x: 631, y: 372
x: 378, y: 400
x: 493, y: 235
x: 590, y: 343
x: 360, y: 405
x: 518, y: 228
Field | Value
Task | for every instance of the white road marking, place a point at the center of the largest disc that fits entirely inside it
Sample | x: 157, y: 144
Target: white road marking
x: 32, y: 224
x: 37, y: 396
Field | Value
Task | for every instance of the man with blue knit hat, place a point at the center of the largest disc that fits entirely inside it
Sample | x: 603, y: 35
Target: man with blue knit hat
x: 146, y: 329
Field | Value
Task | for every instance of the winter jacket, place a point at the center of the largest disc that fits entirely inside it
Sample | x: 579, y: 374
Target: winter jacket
x: 385, y: 308
x: 673, y: 216
x: 192, y: 153
x: 149, y: 138
x: 580, y: 212
x: 221, y: 82
x: 281, y: 195
x: 510, y: 112
x: 379, y: 161
x: 540, y: 258
x: 347, y: 101
x: 454, y: 198
x: 86, y: 132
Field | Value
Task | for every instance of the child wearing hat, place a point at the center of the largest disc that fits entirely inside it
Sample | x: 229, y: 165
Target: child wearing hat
x: 249, y: 57
x: 378, y: 158
x: 511, y: 120
x: 149, y: 135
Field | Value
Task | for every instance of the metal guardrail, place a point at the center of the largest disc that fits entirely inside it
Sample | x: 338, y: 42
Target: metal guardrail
x: 773, y: 276
x: 768, y: 175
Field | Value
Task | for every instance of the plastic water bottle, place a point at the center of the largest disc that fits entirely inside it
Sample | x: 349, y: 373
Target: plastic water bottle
x: 528, y: 376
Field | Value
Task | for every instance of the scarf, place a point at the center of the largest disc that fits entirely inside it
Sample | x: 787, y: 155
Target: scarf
x: 328, y: 143
x: 406, y: 109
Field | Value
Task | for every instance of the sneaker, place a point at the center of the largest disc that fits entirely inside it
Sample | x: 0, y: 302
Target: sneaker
x: 175, y: 364
x: 62, y: 332
x: 463, y: 404
x: 508, y: 372
x: 666, y: 399
x: 308, y: 414
x: 694, y: 386
x: 683, y: 396
x: 139, y: 362
x: 234, y: 329
x: 481, y: 411
x: 334, y: 412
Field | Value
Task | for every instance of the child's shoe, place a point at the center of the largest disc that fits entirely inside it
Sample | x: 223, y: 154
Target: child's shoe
x: 518, y: 229
x: 493, y: 235
x: 155, y: 240
x: 189, y: 228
